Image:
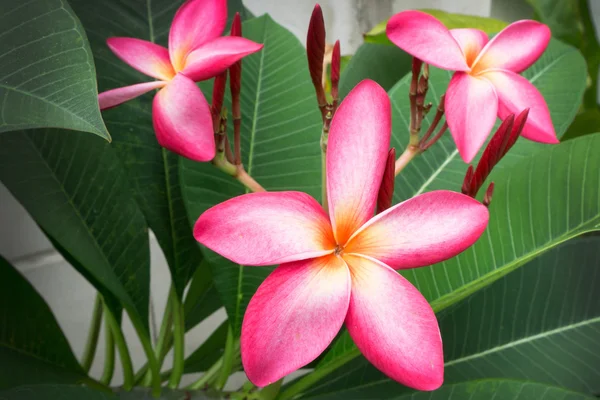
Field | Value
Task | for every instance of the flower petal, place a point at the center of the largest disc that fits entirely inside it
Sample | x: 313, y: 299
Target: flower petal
x: 471, y: 108
x: 114, y: 97
x: 515, y: 94
x: 515, y: 48
x: 424, y: 230
x: 195, y: 23
x: 147, y: 57
x: 295, y: 314
x: 182, y: 120
x: 471, y: 41
x: 393, y: 325
x: 423, y: 36
x: 266, y: 228
x: 357, y: 151
x: 212, y: 58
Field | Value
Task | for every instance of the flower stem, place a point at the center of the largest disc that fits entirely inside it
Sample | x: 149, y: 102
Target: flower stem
x: 178, y: 340
x: 207, y: 377
x: 228, y: 355
x: 324, y: 138
x: 119, y: 339
x: 109, y: 355
x: 93, y: 333
x: 406, y: 157
x: 238, y: 172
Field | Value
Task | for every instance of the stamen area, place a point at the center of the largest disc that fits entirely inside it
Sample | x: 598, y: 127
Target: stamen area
x: 339, y: 250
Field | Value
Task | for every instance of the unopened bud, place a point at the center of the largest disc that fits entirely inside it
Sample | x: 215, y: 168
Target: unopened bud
x: 386, y: 189
x: 335, y: 70
x: 217, y: 99
x: 466, y: 186
x: 235, y: 71
x: 315, y: 51
x: 487, y: 198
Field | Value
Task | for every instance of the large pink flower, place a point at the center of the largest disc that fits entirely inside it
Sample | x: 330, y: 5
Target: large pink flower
x: 180, y: 113
x: 487, y: 82
x: 339, y: 268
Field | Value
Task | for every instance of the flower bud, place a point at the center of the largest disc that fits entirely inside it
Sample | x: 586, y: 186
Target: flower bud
x: 386, y: 190
x: 335, y: 70
x: 235, y: 71
x: 315, y: 51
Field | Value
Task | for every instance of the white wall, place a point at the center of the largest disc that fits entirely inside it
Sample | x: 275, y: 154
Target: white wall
x: 71, y: 297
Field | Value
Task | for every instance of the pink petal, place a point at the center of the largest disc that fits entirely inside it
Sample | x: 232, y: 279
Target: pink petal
x: 357, y: 151
x: 515, y: 94
x: 266, y: 228
x: 182, y: 120
x: 195, y: 23
x: 424, y: 230
x: 293, y: 317
x: 471, y: 109
x: 423, y: 36
x: 515, y: 48
x: 471, y: 41
x: 393, y: 325
x: 148, y: 58
x: 114, y: 97
x: 212, y: 58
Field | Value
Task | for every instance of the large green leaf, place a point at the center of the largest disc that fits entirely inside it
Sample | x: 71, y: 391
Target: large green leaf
x: 56, y: 392
x: 33, y: 348
x: 75, y: 188
x: 506, y: 244
x: 47, y: 76
x: 538, y: 323
x: 485, y: 389
x: 280, y: 144
x: 202, y: 298
x: 450, y: 20
x: 151, y: 170
x: 385, y: 65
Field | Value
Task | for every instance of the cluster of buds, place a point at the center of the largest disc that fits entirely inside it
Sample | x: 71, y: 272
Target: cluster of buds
x: 419, y: 85
x: 219, y: 114
x: 315, y: 50
x: 504, y: 138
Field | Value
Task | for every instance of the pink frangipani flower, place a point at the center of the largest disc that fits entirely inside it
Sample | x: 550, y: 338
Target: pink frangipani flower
x: 180, y: 113
x: 487, y: 82
x: 339, y: 268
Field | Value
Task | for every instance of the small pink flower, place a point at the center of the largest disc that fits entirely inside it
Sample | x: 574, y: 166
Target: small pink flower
x: 180, y: 113
x: 339, y: 268
x: 487, y: 82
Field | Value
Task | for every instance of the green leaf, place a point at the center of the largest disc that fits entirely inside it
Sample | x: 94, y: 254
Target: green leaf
x: 56, y: 392
x: 202, y: 298
x: 538, y: 323
x: 485, y: 389
x: 75, y: 188
x: 508, y: 242
x: 562, y: 17
x: 584, y: 123
x: 209, y: 352
x: 33, y: 348
x: 385, y: 65
x: 47, y: 76
x: 281, y: 127
x: 450, y: 20
x: 152, y: 170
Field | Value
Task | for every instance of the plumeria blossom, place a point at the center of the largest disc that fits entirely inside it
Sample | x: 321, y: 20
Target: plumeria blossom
x: 339, y: 268
x: 180, y: 113
x: 487, y: 82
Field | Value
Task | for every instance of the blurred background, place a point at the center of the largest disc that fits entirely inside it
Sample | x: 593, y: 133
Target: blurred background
x: 71, y: 297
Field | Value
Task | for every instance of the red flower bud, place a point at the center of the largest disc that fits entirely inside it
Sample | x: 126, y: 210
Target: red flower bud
x: 386, y: 190
x: 315, y: 50
x: 235, y: 71
x: 487, y: 198
x: 466, y: 187
x: 217, y: 99
x: 335, y: 70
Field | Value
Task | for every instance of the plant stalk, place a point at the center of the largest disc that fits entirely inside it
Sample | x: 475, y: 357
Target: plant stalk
x: 324, y: 200
x: 228, y: 356
x: 109, y: 355
x: 238, y: 172
x: 92, y: 341
x: 207, y: 377
x: 124, y: 355
x: 406, y: 157
x: 178, y: 340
